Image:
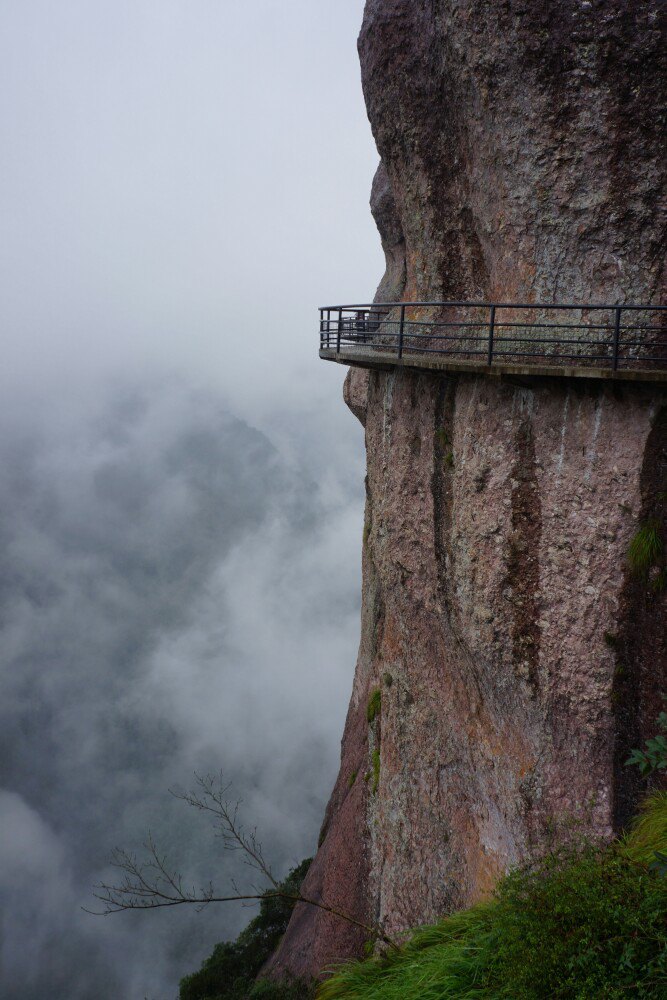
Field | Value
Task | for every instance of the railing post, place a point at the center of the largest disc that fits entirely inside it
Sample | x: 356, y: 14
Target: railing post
x: 617, y: 336
x: 340, y: 330
x: 401, y: 328
x: 321, y: 328
x: 492, y: 326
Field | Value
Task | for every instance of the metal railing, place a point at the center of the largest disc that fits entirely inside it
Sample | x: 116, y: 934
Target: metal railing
x: 616, y: 337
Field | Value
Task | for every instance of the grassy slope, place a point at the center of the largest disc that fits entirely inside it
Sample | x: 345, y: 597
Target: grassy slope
x: 583, y: 925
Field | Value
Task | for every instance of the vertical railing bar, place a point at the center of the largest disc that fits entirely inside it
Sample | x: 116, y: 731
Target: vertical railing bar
x: 340, y: 330
x: 492, y: 323
x: 617, y: 336
x: 400, y: 332
x: 328, y: 328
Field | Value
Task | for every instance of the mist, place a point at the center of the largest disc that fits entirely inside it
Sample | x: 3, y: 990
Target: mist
x: 181, y: 486
x: 177, y: 597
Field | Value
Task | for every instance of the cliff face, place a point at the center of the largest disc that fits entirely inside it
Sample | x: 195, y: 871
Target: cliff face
x: 518, y: 659
x: 523, y: 143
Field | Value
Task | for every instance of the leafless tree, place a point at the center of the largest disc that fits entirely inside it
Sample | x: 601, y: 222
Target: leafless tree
x: 151, y: 884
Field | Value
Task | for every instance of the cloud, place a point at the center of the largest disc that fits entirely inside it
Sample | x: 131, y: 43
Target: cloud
x: 183, y: 183
x: 177, y: 595
x: 179, y: 556
x: 38, y: 896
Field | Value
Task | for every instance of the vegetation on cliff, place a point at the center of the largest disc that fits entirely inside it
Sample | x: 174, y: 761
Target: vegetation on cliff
x: 374, y: 705
x: 646, y: 549
x: 584, y: 923
x: 653, y: 758
x: 230, y: 972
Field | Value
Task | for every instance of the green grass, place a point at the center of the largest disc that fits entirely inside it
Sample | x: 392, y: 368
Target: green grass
x: 648, y: 834
x: 645, y: 549
x: 448, y: 960
x: 374, y: 705
x: 582, y: 924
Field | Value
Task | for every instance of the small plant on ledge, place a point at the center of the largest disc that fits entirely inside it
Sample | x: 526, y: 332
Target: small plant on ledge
x: 654, y: 755
x: 645, y: 549
x: 374, y: 706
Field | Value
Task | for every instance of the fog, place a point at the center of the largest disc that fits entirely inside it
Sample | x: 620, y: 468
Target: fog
x: 181, y: 486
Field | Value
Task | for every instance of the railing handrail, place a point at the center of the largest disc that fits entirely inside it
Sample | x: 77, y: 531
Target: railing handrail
x: 613, y: 343
x: 498, y: 305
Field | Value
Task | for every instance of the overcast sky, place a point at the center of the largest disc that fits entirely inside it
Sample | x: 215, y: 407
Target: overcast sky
x: 182, y: 183
x: 181, y: 486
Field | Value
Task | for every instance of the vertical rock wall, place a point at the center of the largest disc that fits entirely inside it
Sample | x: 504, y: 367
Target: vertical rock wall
x: 523, y: 143
x: 518, y: 659
x: 499, y: 526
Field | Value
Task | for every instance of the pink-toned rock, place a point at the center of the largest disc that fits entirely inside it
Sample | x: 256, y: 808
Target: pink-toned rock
x: 518, y: 658
x: 355, y: 392
x: 498, y: 540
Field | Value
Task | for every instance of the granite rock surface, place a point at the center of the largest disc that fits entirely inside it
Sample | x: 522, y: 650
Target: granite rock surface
x: 517, y: 656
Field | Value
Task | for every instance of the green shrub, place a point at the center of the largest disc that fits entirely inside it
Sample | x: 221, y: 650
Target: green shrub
x: 645, y: 549
x: 580, y: 925
x: 229, y: 972
x: 654, y: 755
x: 374, y: 705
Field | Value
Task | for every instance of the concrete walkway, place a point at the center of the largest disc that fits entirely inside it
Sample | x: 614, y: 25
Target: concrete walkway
x: 375, y: 357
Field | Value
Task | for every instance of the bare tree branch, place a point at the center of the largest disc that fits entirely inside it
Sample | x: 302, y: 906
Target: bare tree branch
x: 151, y: 884
x: 211, y: 798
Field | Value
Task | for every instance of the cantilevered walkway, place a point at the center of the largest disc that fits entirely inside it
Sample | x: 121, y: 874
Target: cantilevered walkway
x: 620, y: 342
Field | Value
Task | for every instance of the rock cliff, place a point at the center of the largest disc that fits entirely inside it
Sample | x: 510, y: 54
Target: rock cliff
x: 517, y: 656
